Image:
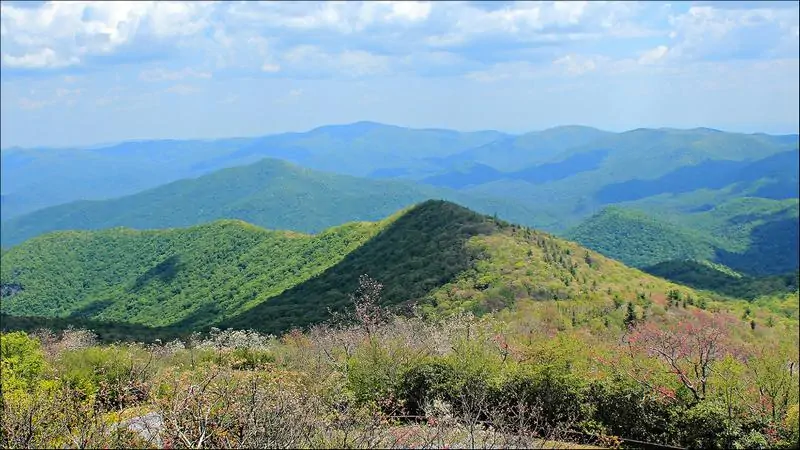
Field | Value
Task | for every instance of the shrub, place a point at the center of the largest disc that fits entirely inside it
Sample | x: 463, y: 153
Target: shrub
x: 22, y: 361
x: 115, y: 376
x: 627, y: 409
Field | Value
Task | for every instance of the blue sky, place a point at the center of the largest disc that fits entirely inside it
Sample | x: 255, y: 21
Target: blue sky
x: 85, y: 73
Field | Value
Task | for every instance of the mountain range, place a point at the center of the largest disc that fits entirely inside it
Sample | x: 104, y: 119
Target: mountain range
x: 437, y: 255
x: 644, y: 196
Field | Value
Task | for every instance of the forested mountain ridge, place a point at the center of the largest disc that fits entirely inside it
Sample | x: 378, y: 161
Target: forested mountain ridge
x: 753, y: 235
x: 270, y: 193
x: 37, y: 178
x: 725, y: 197
x: 438, y: 254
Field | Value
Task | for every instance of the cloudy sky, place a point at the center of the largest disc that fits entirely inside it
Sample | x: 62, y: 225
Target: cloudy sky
x: 77, y: 73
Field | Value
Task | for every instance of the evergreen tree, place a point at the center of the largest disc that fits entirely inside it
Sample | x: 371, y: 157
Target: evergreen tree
x: 630, y: 316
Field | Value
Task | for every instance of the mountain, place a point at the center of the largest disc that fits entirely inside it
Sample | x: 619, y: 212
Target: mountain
x: 752, y: 235
x: 270, y: 193
x: 476, y: 173
x: 37, y: 178
x: 781, y: 171
x: 229, y: 273
x: 723, y: 280
x: 638, y: 239
x: 533, y: 148
x: 670, y: 171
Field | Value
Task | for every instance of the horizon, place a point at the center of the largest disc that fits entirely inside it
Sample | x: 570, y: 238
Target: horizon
x: 78, y: 74
x: 100, y: 145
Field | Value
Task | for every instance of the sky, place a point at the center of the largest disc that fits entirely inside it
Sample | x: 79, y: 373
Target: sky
x: 83, y: 73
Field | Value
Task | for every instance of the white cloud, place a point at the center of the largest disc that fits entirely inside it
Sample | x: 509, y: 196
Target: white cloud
x: 706, y: 32
x: 409, y: 11
x: 536, y: 22
x: 167, y: 75
x: 349, y: 63
x: 576, y: 64
x: 270, y: 68
x: 58, y: 34
x: 654, y: 55
x: 338, y: 16
x: 44, y: 57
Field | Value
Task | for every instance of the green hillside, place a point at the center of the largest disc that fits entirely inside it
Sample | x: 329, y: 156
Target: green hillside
x: 36, y: 178
x: 753, y: 235
x: 638, y: 239
x: 717, y: 278
x: 270, y: 193
x: 439, y: 254
x: 674, y: 171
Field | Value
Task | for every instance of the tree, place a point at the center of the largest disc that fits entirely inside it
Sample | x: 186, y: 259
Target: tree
x: 630, y: 316
x: 689, y: 349
x: 366, y: 301
x: 776, y: 377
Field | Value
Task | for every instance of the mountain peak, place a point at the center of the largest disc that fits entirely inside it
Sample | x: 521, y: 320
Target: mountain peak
x: 350, y: 130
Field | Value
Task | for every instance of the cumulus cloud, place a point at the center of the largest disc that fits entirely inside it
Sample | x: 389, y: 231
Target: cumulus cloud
x: 364, y: 39
x: 59, y: 34
x: 710, y: 33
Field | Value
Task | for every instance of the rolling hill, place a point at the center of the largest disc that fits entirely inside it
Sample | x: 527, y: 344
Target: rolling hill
x: 36, y: 178
x: 753, y: 235
x: 638, y: 239
x: 229, y: 273
x: 270, y: 193
x: 675, y: 171
x: 555, y: 169
x: 512, y: 152
x: 717, y: 278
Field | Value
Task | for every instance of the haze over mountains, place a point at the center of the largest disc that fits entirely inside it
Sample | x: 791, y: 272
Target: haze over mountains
x: 702, y: 193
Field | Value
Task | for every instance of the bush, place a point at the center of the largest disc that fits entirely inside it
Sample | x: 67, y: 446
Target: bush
x: 706, y: 425
x: 552, y: 397
x: 114, y: 376
x: 22, y: 361
x: 435, y: 379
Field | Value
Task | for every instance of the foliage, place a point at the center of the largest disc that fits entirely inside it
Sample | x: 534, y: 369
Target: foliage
x: 38, y: 178
x: 270, y: 193
x: 712, y: 277
x: 22, y: 361
x: 753, y: 236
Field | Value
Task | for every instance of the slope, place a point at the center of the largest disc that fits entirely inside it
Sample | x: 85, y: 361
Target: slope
x: 713, y: 277
x: 638, y: 239
x: 228, y: 273
x: 512, y: 152
x: 37, y: 178
x: 755, y: 236
x: 270, y: 193
x: 160, y: 277
x: 668, y: 169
